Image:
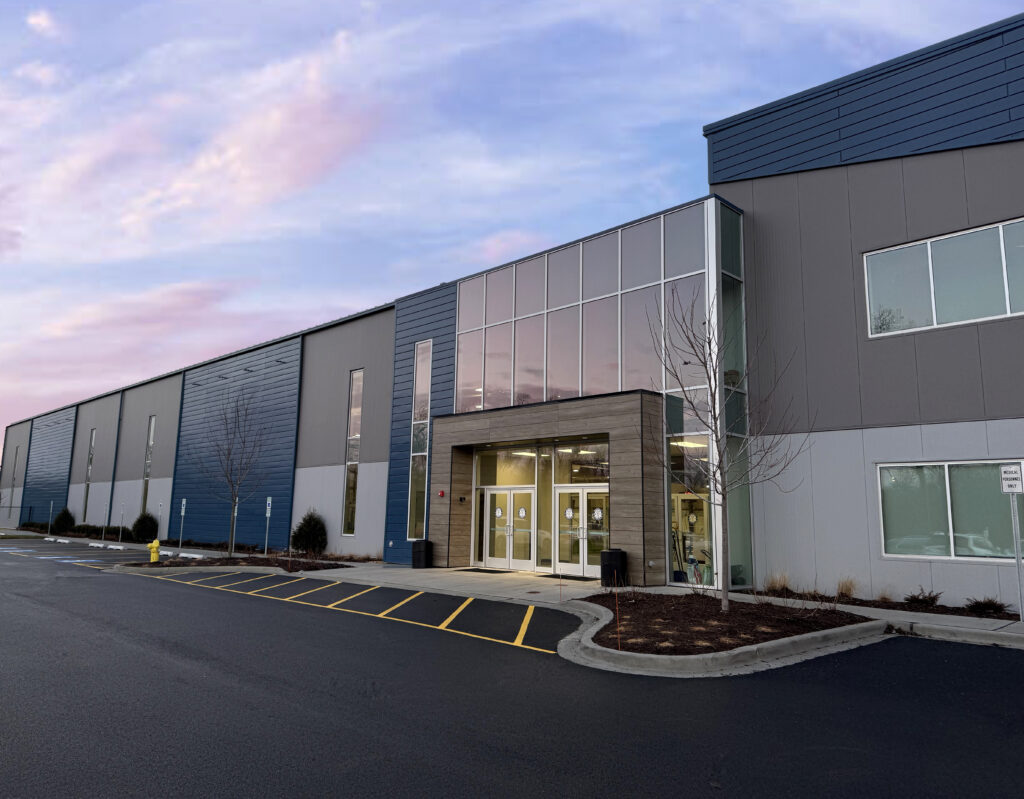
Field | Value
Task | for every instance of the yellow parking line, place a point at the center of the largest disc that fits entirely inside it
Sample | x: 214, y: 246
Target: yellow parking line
x: 396, y: 607
x: 312, y: 590
x: 89, y: 566
x: 275, y: 585
x: 211, y: 577
x: 444, y: 625
x: 523, y: 626
x: 346, y: 599
x: 251, y: 579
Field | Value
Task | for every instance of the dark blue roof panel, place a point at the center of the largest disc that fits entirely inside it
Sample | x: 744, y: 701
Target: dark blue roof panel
x: 958, y: 93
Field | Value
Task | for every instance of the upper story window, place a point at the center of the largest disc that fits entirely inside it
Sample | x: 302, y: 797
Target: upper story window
x: 966, y: 277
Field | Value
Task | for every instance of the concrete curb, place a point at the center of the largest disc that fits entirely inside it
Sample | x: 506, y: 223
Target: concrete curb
x: 580, y: 648
x: 960, y: 635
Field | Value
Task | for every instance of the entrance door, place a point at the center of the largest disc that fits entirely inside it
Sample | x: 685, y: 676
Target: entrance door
x: 583, y: 530
x: 510, y: 516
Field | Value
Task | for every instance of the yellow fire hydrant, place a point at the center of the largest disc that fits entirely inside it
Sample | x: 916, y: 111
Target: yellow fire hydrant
x: 154, y: 550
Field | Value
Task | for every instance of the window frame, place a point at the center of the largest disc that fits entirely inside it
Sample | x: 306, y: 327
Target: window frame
x: 952, y: 557
x: 348, y: 438
x: 935, y: 325
x: 412, y: 425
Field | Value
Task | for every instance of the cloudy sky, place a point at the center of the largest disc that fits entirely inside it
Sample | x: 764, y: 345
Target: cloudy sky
x: 181, y: 178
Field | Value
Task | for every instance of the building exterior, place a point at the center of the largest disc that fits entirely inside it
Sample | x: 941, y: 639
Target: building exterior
x: 863, y: 243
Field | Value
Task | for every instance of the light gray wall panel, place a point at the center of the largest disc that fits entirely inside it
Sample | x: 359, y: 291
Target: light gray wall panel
x: 161, y: 398
x: 1005, y: 438
x: 935, y: 193
x: 126, y: 502
x: 76, y: 494
x: 958, y: 581
x: 891, y: 445
x: 889, y: 381
x: 10, y: 507
x: 958, y: 441
x: 1002, y: 367
x: 371, y: 509
x: 100, y: 414
x: 790, y: 527
x: 995, y: 182
x: 329, y: 356
x: 99, y: 499
x: 321, y: 488
x: 833, y: 384
x: 949, y: 374
x: 16, y: 436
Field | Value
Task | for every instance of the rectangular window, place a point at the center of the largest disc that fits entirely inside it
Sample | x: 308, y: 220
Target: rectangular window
x: 498, y: 366
x: 563, y: 364
x: 641, y: 254
x: 530, y: 287
x: 945, y: 510
x: 469, y: 388
x: 564, y: 277
x: 641, y: 343
x: 147, y: 464
x: 419, y: 442
x: 968, y: 276
x: 601, y: 266
x: 14, y: 478
x: 88, y: 475
x: 355, y: 426
x: 529, y: 359
x: 601, y: 346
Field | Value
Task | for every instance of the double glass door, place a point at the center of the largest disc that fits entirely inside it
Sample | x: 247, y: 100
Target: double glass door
x: 583, y: 530
x: 511, y: 521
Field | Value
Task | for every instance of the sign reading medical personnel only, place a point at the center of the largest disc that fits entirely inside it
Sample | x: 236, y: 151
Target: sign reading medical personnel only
x: 1012, y: 484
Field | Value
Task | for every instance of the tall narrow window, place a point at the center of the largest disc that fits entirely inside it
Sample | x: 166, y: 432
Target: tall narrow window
x: 420, y: 440
x: 147, y: 465
x: 355, y: 424
x: 88, y: 475
x: 14, y: 477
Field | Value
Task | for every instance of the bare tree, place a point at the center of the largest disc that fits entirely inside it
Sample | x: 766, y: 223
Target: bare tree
x: 230, y: 457
x: 696, y: 350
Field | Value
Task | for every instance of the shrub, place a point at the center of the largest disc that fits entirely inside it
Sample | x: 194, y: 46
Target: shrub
x: 310, y: 534
x: 845, y: 588
x: 883, y: 596
x: 986, y: 606
x: 923, y: 599
x: 88, y: 530
x: 145, y: 528
x: 64, y: 522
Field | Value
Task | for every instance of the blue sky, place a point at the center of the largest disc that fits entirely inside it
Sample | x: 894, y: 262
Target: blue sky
x: 180, y: 178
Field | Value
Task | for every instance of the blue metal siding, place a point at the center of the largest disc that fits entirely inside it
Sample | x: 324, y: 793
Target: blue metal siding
x: 49, y: 465
x: 429, y: 315
x: 963, y: 92
x: 270, y: 377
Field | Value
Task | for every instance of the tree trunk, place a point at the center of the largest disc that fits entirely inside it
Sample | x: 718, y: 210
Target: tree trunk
x: 725, y: 567
x: 231, y: 534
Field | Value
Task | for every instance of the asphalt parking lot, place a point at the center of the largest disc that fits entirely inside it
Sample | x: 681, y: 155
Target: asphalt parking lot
x: 525, y: 626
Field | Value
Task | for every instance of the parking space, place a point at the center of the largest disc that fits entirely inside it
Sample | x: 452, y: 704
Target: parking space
x: 538, y: 629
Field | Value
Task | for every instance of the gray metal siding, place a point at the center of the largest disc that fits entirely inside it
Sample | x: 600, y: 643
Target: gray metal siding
x: 429, y: 315
x: 959, y: 93
x: 270, y: 377
x: 49, y: 465
x: 328, y: 358
x: 161, y: 398
x: 805, y: 237
x: 102, y: 415
x: 17, y: 435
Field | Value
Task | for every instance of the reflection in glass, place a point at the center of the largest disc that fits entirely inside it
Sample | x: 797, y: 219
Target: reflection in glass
x: 601, y: 266
x: 417, y: 496
x: 733, y: 346
x: 522, y: 525
x: 569, y: 527
x: 506, y: 467
x: 421, y: 382
x: 687, y: 417
x: 581, y: 463
x: 564, y: 276
x: 684, y: 241
x: 968, y: 275
x: 641, y: 340
x: 641, y: 254
x: 497, y: 526
x: 530, y: 286
x: 529, y: 361
x: 914, y: 519
x: 420, y: 436
x: 601, y: 346
x: 685, y: 315
x: 498, y: 366
x: 471, y: 303
x: 499, y: 295
x: 470, y: 358
x: 732, y: 242
x: 351, y: 480
x: 899, y: 293
x: 544, y: 473
x: 563, y: 368
x: 741, y: 552
x: 982, y: 526
x: 598, y: 521
x: 1013, y: 243
x: 692, y: 554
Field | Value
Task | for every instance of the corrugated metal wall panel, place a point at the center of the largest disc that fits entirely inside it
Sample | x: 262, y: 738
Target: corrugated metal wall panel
x: 270, y: 378
x: 430, y: 315
x: 49, y: 465
x: 963, y: 92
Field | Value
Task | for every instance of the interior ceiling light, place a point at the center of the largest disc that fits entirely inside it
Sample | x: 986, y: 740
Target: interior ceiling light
x: 565, y: 449
x: 689, y: 444
x: 526, y: 454
x: 587, y: 452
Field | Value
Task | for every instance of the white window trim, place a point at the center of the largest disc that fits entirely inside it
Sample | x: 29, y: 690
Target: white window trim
x: 936, y: 325
x: 952, y: 557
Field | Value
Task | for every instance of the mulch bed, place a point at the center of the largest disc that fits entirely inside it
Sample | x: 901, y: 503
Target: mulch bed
x: 288, y: 564
x: 907, y: 607
x: 693, y: 624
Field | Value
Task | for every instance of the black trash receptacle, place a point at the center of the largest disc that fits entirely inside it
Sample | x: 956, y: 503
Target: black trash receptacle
x: 421, y: 554
x: 613, y: 567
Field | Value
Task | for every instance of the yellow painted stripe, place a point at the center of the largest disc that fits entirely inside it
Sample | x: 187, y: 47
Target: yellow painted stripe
x: 346, y: 599
x: 211, y: 577
x: 249, y: 580
x: 275, y: 585
x: 396, y: 607
x: 89, y: 565
x: 444, y: 625
x: 523, y: 626
x: 312, y: 590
